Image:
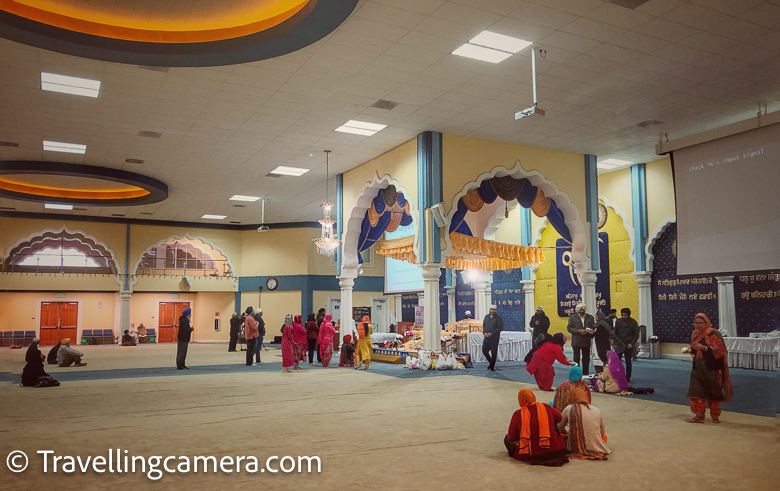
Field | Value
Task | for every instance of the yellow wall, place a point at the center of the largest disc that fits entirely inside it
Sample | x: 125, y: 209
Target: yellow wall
x: 144, y: 308
x: 620, y: 269
x: 616, y: 187
x: 509, y: 230
x: 275, y: 306
x: 660, y: 193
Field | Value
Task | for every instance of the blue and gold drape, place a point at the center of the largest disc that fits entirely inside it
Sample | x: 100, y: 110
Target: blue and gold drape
x: 389, y: 210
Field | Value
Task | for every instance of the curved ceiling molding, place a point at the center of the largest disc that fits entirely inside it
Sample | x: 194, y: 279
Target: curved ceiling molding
x: 245, y: 31
x: 56, y: 182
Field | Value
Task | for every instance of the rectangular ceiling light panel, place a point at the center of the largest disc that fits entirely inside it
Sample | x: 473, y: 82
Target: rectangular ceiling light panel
x: 491, y: 47
x: 360, y: 128
x: 52, y: 206
x: 214, y: 217
x: 52, y: 146
x: 239, y: 197
x: 53, y: 82
x: 289, y: 171
x: 616, y: 162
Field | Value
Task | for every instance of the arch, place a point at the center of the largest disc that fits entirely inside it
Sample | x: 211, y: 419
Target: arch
x: 352, y: 226
x: 550, y: 190
x: 629, y: 228
x: 209, y: 253
x: 652, y: 240
x: 63, y: 237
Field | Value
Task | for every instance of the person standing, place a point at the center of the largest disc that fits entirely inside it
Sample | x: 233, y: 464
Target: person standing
x: 235, y: 327
x: 540, y: 323
x: 251, y: 334
x: 320, y: 316
x: 299, y: 337
x: 363, y: 348
x: 604, y: 334
x: 325, y: 340
x: 467, y: 315
x: 582, y: 326
x: 312, y: 334
x: 492, y: 326
x: 710, y: 383
x: 258, y: 316
x: 287, y: 344
x: 184, y: 337
x: 626, y: 337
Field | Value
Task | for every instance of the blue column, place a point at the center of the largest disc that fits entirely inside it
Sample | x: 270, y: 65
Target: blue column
x: 639, y: 214
x: 339, y: 218
x: 429, y: 188
x: 525, y: 236
x: 592, y: 208
x: 237, y: 302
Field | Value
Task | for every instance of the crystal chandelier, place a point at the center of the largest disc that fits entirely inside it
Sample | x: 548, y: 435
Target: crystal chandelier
x: 327, y: 243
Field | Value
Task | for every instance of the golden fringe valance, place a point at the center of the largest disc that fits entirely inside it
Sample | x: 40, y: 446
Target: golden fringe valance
x: 468, y: 253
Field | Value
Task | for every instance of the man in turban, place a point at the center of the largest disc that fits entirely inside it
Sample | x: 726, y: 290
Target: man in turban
x: 491, y: 328
x: 582, y: 327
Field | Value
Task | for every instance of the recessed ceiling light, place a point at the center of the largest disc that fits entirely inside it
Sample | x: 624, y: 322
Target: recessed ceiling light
x: 480, y: 53
x: 500, y: 42
x: 64, y: 147
x: 239, y: 197
x: 615, y: 162
x: 602, y: 165
x: 360, y: 128
x: 214, y: 217
x: 289, y: 171
x: 53, y: 82
x: 52, y: 206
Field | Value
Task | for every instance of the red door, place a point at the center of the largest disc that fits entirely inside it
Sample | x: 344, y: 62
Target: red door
x: 169, y: 320
x: 59, y: 320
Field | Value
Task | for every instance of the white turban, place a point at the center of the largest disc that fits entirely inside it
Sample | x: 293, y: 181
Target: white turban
x: 468, y: 311
x: 580, y: 306
x: 493, y: 306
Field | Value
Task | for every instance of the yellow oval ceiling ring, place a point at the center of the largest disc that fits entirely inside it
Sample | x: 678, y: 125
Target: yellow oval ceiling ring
x: 170, y: 35
x: 62, y: 192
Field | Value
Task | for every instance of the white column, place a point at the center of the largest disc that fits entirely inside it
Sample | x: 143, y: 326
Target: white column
x: 480, y: 307
x: 727, y: 312
x: 431, y: 326
x: 529, y: 300
x: 124, y: 315
x: 399, y: 306
x: 420, y: 298
x: 451, y: 311
x: 488, y: 291
x: 346, y: 282
x: 588, y: 282
x: 645, y: 315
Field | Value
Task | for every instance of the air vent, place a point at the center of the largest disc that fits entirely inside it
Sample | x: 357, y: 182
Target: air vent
x: 79, y: 209
x: 239, y: 206
x: 9, y: 144
x: 117, y: 215
x: 134, y: 161
x: 640, y: 126
x: 383, y: 104
x: 234, y: 223
x: 629, y: 4
x: 273, y: 175
x: 7, y: 208
x: 163, y: 69
x: 150, y: 134
x: 145, y: 213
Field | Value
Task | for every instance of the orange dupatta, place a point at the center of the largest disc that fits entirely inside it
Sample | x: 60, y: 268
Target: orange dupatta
x: 719, y: 350
x: 526, y: 399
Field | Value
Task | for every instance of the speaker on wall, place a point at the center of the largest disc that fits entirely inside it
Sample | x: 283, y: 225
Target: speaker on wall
x: 186, y: 281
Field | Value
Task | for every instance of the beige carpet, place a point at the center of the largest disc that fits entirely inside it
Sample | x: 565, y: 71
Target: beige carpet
x: 370, y: 431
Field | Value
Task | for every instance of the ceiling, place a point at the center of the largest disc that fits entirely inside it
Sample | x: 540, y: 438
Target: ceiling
x: 612, y: 80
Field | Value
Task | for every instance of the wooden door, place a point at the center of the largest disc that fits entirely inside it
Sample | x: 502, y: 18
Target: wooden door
x: 169, y: 320
x: 59, y: 320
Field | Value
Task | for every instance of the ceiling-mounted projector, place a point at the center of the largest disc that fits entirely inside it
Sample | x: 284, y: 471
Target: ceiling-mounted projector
x: 263, y: 228
x: 530, y: 111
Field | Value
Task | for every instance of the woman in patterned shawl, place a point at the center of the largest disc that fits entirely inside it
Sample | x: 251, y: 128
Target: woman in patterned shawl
x: 710, y: 382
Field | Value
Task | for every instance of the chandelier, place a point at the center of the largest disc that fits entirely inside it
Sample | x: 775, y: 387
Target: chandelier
x: 327, y: 243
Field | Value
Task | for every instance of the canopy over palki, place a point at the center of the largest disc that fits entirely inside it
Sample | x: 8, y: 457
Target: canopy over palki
x: 468, y: 253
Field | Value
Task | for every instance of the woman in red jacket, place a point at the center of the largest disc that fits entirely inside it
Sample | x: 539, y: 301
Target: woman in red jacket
x: 533, y: 433
x: 541, y: 365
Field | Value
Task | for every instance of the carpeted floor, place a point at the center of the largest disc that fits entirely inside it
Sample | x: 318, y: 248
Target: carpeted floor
x: 388, y: 428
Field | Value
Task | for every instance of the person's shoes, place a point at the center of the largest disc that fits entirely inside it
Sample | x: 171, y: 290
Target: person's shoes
x: 311, y: 363
x: 716, y: 421
x: 186, y: 368
x: 179, y: 368
x: 80, y: 364
x: 696, y: 420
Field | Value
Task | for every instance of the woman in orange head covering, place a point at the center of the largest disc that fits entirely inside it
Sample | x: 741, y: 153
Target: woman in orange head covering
x: 533, y: 433
x: 363, y: 348
x: 587, y: 439
x: 710, y: 383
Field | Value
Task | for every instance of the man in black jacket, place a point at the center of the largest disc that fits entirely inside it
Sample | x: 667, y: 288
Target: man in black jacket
x: 626, y: 337
x: 582, y: 327
x: 491, y: 328
x: 235, y: 328
x: 258, y: 316
x: 540, y: 323
x: 184, y: 336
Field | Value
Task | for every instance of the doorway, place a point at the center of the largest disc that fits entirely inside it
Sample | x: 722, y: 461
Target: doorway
x: 380, y: 314
x: 168, y: 321
x: 334, y: 304
x: 59, y: 320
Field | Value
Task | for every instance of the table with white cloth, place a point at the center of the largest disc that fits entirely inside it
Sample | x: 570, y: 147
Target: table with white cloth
x: 753, y: 353
x: 381, y: 337
x: 512, y: 346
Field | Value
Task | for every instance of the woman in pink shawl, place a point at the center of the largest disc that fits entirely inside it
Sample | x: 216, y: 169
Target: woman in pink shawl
x: 612, y: 379
x: 325, y: 340
x: 288, y: 359
x: 299, y: 338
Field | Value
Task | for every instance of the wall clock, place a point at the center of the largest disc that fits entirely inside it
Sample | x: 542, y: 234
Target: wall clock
x: 271, y: 283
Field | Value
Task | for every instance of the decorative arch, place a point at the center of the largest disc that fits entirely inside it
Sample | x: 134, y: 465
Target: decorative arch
x: 652, y: 240
x: 552, y: 197
x: 63, y: 238
x: 353, y: 226
x: 218, y: 263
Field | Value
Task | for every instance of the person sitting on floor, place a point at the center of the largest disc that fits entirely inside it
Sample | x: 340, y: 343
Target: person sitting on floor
x: 67, y: 356
x: 33, y: 374
x: 142, y: 337
x: 51, y: 358
x: 127, y: 339
x: 564, y: 390
x: 613, y: 379
x: 586, y: 438
x: 541, y: 364
x: 533, y: 433
x: 347, y: 352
